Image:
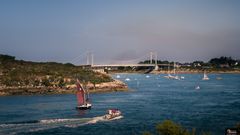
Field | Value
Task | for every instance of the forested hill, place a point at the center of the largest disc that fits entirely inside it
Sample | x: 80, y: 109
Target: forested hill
x: 39, y: 74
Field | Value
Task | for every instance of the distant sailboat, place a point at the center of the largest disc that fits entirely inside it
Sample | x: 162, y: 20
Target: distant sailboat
x: 197, y: 87
x: 169, y: 76
x: 82, y: 98
x: 205, y: 77
x: 127, y: 79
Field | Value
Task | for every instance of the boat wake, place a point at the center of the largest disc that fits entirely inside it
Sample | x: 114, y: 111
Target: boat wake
x: 34, y: 126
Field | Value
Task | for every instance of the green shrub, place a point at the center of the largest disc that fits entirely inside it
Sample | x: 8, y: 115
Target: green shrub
x: 168, y: 127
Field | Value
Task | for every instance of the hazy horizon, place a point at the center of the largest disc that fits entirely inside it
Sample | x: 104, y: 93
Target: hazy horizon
x: 64, y: 31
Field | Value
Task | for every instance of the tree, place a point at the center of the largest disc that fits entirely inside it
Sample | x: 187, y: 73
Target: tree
x: 36, y: 82
x: 4, y: 58
x: 61, y: 83
x: 222, y: 60
x: 146, y: 133
x: 168, y: 127
x: 46, y: 82
x: 238, y: 127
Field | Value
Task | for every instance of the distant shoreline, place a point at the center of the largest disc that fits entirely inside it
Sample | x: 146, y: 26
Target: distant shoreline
x: 198, y: 72
x: 179, y: 72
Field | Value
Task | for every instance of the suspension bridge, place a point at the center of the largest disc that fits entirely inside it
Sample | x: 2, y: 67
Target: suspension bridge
x: 134, y: 63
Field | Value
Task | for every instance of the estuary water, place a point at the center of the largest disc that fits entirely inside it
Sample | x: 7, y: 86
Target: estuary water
x: 212, y: 107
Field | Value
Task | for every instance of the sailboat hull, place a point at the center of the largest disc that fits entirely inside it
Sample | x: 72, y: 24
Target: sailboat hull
x: 84, y: 107
x: 205, y: 77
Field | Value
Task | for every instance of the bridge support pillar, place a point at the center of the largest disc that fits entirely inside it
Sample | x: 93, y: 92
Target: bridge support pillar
x: 156, y: 68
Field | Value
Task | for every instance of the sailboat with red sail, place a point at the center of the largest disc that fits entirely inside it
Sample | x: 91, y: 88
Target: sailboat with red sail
x: 82, y: 97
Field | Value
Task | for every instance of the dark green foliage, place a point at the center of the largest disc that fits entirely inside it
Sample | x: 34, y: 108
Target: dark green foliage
x: 238, y: 127
x: 6, y: 58
x: 69, y: 64
x: 146, y: 133
x: 222, y: 60
x: 46, y: 82
x: 168, y: 127
x: 61, y: 83
x: 215, y: 64
x: 205, y: 133
x: 153, y: 61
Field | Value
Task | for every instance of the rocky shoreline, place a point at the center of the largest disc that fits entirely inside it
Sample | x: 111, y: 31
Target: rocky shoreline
x: 113, y: 86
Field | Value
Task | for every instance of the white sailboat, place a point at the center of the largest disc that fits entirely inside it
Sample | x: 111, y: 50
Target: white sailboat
x: 205, y: 77
x: 174, y: 72
x: 127, y: 79
x: 82, y: 97
x: 197, y: 88
x: 169, y: 76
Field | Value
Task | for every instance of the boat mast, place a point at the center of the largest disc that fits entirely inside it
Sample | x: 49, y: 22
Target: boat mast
x: 168, y: 68
x: 174, y: 72
x: 87, y: 94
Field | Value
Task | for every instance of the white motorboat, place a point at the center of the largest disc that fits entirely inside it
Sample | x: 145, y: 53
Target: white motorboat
x: 112, y: 114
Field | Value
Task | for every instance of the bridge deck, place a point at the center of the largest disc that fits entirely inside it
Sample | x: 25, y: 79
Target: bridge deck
x: 129, y: 65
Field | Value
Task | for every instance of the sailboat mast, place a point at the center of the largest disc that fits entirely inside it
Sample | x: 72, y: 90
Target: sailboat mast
x: 174, y: 72
x: 168, y: 68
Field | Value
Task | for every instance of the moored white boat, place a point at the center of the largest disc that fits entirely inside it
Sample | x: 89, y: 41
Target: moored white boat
x: 84, y: 106
x: 205, y: 77
x: 197, y: 87
x: 169, y: 76
x: 127, y: 79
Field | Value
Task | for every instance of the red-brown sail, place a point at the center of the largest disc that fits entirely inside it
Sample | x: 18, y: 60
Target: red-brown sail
x: 80, y: 94
x: 80, y: 97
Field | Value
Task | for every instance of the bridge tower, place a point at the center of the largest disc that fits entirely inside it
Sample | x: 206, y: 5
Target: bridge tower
x: 90, y: 58
x: 151, y: 57
x: 156, y: 64
x: 87, y: 58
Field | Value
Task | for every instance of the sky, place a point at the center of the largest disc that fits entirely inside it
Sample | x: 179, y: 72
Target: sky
x: 117, y: 31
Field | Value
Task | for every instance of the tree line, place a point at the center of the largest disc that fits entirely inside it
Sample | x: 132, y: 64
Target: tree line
x: 221, y: 62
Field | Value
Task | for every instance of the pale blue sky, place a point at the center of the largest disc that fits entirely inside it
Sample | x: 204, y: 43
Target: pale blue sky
x: 61, y: 30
